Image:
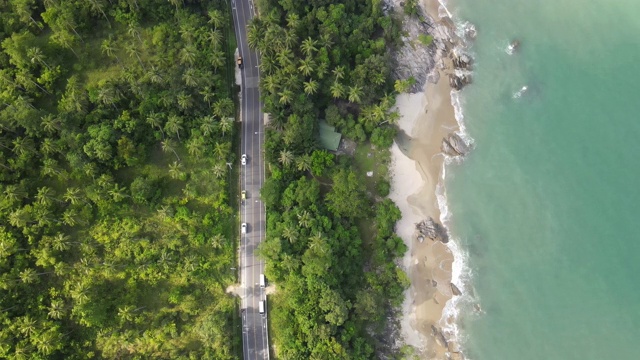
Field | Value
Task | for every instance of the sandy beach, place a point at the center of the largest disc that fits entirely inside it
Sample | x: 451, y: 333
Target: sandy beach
x: 417, y: 162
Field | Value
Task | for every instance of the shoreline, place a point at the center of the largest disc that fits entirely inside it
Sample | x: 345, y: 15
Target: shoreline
x: 418, y: 162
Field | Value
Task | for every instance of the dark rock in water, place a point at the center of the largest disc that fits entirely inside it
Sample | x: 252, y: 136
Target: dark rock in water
x: 459, y: 81
x: 513, y: 46
x: 462, y: 62
x: 455, y: 291
x: 453, y: 145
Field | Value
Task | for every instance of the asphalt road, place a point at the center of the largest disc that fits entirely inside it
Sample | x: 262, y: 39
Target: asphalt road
x: 255, y: 341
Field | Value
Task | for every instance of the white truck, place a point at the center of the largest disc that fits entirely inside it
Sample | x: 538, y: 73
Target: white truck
x: 261, y: 307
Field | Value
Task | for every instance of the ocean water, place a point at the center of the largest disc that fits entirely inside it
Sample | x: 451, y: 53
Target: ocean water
x: 547, y: 205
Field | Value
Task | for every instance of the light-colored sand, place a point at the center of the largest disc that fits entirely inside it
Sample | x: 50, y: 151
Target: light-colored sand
x: 427, y: 118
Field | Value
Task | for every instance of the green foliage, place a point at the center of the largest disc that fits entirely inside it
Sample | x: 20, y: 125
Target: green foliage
x: 116, y: 228
x: 425, y: 39
x: 411, y: 7
x: 347, y: 196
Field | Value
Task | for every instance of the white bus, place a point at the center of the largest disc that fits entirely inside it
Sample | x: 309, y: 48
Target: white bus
x: 263, y: 281
x: 261, y: 307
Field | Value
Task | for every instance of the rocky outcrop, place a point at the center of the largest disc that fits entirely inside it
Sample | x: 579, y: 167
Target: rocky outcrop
x: 439, y: 337
x: 453, y: 145
x: 462, y: 61
x: 459, y: 81
x: 430, y: 229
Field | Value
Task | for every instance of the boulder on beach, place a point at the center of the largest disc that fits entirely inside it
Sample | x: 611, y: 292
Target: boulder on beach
x: 462, y: 61
x: 453, y: 145
x: 431, y: 229
x: 439, y: 337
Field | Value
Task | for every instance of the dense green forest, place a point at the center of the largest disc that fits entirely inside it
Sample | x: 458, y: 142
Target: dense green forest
x: 330, y: 245
x: 117, y: 215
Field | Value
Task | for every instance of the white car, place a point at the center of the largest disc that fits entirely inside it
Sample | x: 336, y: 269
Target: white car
x: 243, y: 159
x: 243, y: 228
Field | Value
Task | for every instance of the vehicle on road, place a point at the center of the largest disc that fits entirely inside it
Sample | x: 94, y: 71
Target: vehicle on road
x: 261, y: 307
x: 243, y: 194
x: 243, y: 228
x: 243, y: 159
x: 263, y: 281
x: 239, y: 61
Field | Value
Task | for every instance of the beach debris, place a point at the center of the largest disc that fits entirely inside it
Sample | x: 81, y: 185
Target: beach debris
x: 369, y: 173
x: 454, y: 290
x: 431, y: 229
x: 453, y: 145
x: 420, y: 238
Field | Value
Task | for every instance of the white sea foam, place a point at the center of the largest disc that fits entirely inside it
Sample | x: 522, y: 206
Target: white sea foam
x: 518, y: 94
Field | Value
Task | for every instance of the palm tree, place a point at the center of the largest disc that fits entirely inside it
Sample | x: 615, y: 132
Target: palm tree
x: 306, y: 66
x: 337, y: 90
x: 215, y: 18
x: 304, y: 218
x: 321, y: 69
x: 49, y: 123
x: 72, y: 195
x: 215, y: 38
x: 118, y: 193
x: 132, y: 49
x: 286, y: 157
x: 97, y: 6
x: 108, y: 96
x: 36, y: 56
x: 208, y: 125
x: 28, y: 276
x: 338, y: 72
x: 221, y: 150
x: 217, y: 59
x: 223, y: 108
x: 45, y: 195
x: 61, y: 242
x: 354, y: 93
x: 270, y: 83
x: 188, y: 54
x: 175, y: 170
x: 285, y: 96
x: 293, y: 20
x: 226, y: 124
x: 254, y: 35
x: 304, y: 163
x: 290, y: 233
x: 310, y: 87
x: 217, y: 240
x: 309, y: 46
x: 168, y: 145
x: 155, y: 120
x: 70, y: 217
x: 56, y: 310
x: 27, y: 325
x: 184, y: 101
x: 109, y: 47
x: 154, y: 75
x: 219, y: 170
x: 50, y: 167
x: 191, y: 77
x: 13, y: 193
x: 290, y: 39
x: 195, y: 146
x: 174, y: 125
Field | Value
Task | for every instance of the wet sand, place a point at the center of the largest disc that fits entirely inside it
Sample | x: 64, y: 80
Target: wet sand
x: 417, y: 163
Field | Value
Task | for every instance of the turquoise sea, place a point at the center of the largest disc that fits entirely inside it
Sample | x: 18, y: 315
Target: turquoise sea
x: 547, y: 205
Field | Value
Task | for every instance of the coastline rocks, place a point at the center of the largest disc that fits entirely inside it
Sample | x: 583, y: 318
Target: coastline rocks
x: 453, y: 145
x: 459, y: 81
x: 431, y: 229
x: 462, y: 61
x: 513, y: 46
x: 439, y: 337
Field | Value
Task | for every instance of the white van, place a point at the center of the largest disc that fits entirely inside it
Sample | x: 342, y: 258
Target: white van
x: 263, y: 281
x: 261, y: 307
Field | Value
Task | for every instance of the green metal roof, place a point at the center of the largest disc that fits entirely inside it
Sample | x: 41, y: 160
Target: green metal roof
x: 329, y: 138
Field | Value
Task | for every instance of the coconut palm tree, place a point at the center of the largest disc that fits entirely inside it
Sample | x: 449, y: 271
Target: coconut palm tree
x: 290, y: 233
x: 337, y: 90
x: 285, y: 96
x: 310, y: 87
x: 215, y: 18
x: 304, y: 218
x: 56, y: 310
x: 354, y: 93
x: 215, y: 38
x: 226, y: 124
x: 217, y: 240
x: 168, y: 145
x: 191, y: 77
x: 155, y: 120
x: 196, y: 146
x: 223, y: 108
x: 175, y: 170
x: 338, y: 72
x: 308, y: 46
x: 36, y: 56
x: 306, y: 66
x: 286, y: 157
x: 45, y: 195
x: 184, y: 101
x: 188, y: 54
x: 72, y: 195
x: 155, y: 75
x: 304, y: 162
x: 219, y: 170
x: 50, y: 124
x: 208, y: 125
x: 174, y: 125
